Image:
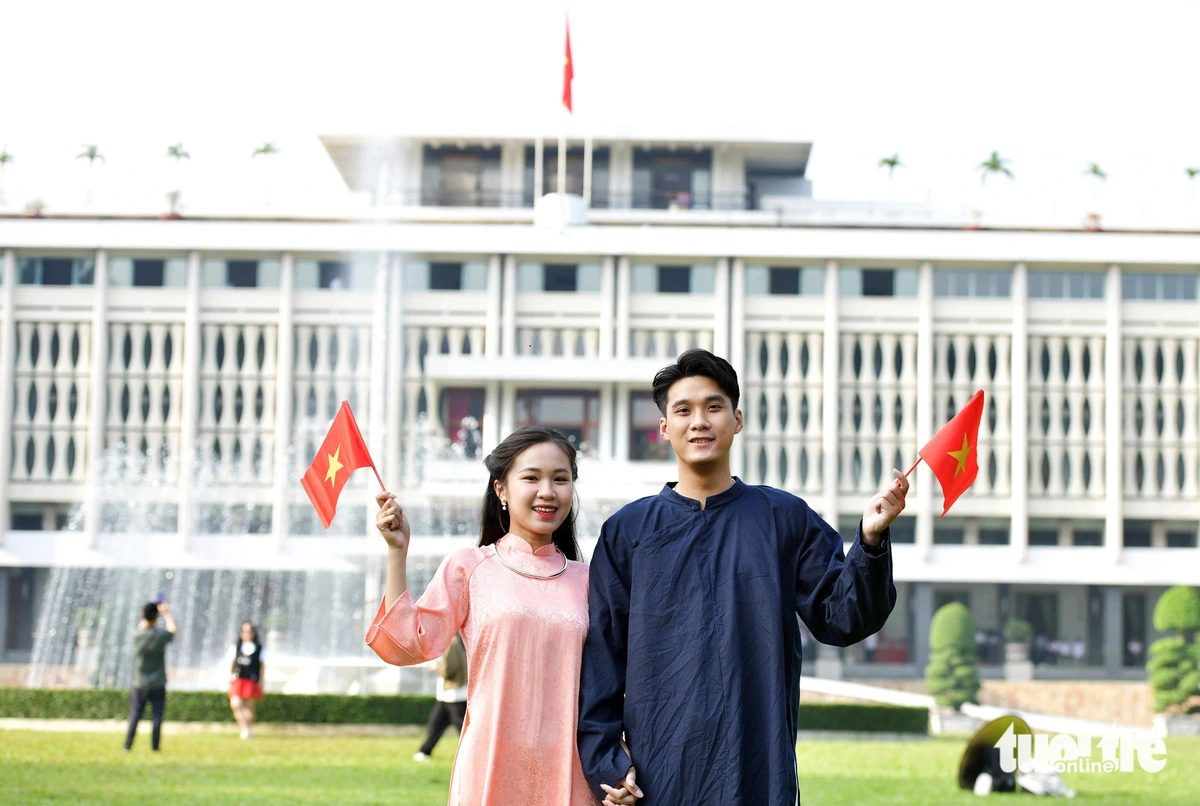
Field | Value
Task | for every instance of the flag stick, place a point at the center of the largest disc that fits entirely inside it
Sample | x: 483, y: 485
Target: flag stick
x: 914, y: 467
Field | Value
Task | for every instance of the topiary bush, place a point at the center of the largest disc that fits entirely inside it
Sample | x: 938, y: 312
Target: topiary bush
x: 1174, y: 661
x: 1018, y: 631
x: 952, y: 676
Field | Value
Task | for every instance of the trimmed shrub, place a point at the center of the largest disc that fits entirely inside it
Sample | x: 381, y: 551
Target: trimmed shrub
x: 1174, y: 662
x: 1018, y: 631
x: 401, y: 709
x: 952, y: 676
x: 1178, y: 610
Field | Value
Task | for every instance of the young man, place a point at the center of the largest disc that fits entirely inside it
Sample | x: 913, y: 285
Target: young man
x: 150, y: 670
x: 693, y: 649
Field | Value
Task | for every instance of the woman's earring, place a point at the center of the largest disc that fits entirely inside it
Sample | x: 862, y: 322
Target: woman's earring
x: 504, y: 505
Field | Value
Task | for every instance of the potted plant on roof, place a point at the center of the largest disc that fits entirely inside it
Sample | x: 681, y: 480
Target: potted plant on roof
x: 891, y: 163
x: 178, y: 154
x: 92, y: 154
x: 5, y: 159
x: 172, y: 213
x: 952, y: 676
x: 1174, y: 664
x: 1092, y: 223
x: 995, y: 165
x: 268, y: 150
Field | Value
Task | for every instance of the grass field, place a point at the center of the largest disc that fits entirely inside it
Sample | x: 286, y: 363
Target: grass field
x: 89, y: 768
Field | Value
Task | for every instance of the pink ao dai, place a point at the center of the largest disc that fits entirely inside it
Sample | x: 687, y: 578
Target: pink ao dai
x: 524, y: 640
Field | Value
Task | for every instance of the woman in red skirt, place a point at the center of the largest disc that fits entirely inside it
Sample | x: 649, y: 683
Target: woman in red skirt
x: 246, y: 673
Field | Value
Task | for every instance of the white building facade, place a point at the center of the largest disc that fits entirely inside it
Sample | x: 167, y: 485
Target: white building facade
x: 193, y: 366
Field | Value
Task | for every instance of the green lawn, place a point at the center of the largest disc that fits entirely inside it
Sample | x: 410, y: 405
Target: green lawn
x: 201, y: 768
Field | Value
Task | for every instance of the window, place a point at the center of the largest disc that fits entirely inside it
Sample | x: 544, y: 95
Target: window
x: 993, y: 537
x: 672, y: 180
x: 646, y: 443
x: 1043, y: 533
x: 56, y: 270
x: 333, y: 274
x: 1156, y: 286
x: 240, y: 273
x: 866, y: 282
x: 948, y: 532
x: 445, y: 276
x: 943, y: 598
x: 972, y: 283
x: 785, y: 280
x: 904, y: 530
x: 674, y: 279
x: 462, y: 417
x: 1066, y: 285
x: 1137, y: 534
x: 1088, y: 537
x: 560, y: 277
x: 574, y: 176
x: 21, y: 609
x: 461, y: 177
x: 147, y: 272
x: 575, y: 413
x: 1133, y: 629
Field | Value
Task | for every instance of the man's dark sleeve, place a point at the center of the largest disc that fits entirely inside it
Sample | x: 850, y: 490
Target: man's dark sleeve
x: 165, y: 637
x: 602, y: 676
x: 841, y: 598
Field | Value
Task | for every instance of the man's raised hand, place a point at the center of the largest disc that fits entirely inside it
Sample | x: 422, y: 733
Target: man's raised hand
x: 883, y: 508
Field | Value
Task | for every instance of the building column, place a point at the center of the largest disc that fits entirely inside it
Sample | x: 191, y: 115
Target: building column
x: 490, y: 437
x: 1114, y: 630
x: 587, y: 171
x: 508, y: 303
x: 608, y: 307
x: 737, y: 346
x: 622, y: 335
x: 1019, y: 408
x: 394, y: 371
x: 508, y: 407
x: 377, y: 391
x: 829, y: 398
x: 189, y: 405
x: 539, y: 163
x: 8, y: 359
x: 622, y: 430
x: 97, y: 415
x: 1114, y: 456
x: 721, y: 305
x: 283, y: 403
x: 922, y: 593
x: 604, y: 451
x: 926, y: 408
x: 493, y: 317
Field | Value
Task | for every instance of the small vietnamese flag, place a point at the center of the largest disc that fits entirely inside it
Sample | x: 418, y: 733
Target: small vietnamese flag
x: 952, y: 454
x: 568, y: 72
x: 342, y: 452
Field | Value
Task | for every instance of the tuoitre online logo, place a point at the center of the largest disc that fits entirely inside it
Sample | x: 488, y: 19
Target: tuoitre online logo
x: 1126, y: 751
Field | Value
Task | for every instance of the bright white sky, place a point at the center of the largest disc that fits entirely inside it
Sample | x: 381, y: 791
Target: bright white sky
x: 1051, y: 84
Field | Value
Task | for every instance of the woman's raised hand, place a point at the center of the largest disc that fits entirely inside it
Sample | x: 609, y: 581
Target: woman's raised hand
x: 392, y: 522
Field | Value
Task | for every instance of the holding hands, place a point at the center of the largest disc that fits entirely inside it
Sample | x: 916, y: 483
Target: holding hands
x: 883, y: 508
x: 625, y: 793
x: 392, y: 522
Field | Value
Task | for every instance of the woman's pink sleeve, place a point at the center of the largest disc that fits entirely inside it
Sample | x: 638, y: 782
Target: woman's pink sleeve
x: 411, y: 632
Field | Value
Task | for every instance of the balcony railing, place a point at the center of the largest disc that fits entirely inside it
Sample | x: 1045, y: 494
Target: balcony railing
x: 601, y: 199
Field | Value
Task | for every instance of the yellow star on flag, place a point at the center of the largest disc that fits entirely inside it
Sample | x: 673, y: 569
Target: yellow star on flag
x: 961, y: 455
x: 335, y: 466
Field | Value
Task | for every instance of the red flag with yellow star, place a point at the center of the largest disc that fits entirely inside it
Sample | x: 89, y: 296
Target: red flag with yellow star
x: 952, y: 455
x: 342, y: 452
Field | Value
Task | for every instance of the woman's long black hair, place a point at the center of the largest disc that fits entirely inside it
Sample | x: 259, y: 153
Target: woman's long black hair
x: 493, y: 522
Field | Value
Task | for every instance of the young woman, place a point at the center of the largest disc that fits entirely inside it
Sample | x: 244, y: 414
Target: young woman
x: 520, y: 601
x: 246, y: 672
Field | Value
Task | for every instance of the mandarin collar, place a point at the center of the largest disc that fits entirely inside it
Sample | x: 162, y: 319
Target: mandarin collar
x: 512, y: 542
x: 720, y: 499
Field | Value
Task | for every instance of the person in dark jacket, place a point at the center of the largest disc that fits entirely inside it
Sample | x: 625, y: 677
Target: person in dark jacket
x: 690, y: 682
x: 450, y: 703
x: 150, y: 670
x: 247, y: 669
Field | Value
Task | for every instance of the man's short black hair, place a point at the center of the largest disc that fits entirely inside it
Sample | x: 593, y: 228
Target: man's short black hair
x: 696, y: 363
x: 150, y: 612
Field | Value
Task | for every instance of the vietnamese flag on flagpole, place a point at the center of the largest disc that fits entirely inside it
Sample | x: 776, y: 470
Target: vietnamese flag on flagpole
x: 952, y: 454
x: 342, y: 452
x: 568, y: 72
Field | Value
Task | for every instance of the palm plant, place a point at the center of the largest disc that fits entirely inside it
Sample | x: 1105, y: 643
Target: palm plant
x: 891, y: 163
x: 995, y: 164
x: 1192, y: 173
x: 5, y: 159
x: 178, y: 153
x: 92, y: 154
x: 1095, y: 170
x: 265, y: 149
